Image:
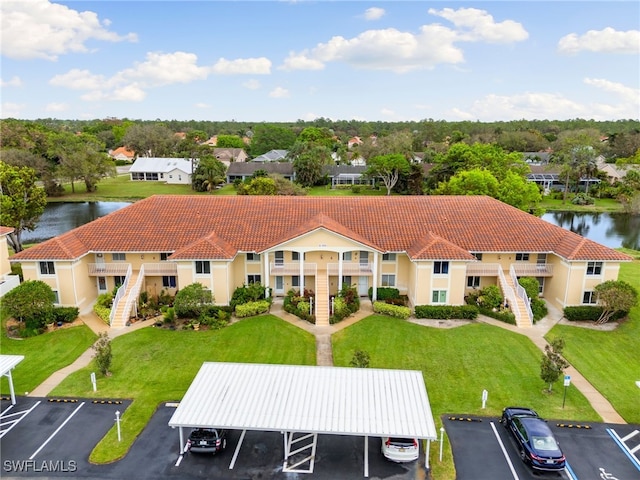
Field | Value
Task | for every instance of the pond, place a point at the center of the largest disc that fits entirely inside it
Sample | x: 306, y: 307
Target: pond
x: 611, y: 229
x: 59, y: 218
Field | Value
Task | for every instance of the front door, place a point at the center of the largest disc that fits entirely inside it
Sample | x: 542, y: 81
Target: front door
x: 279, y: 288
x: 102, y: 285
x: 363, y: 286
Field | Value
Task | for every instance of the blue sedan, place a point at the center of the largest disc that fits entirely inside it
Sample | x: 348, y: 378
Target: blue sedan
x: 537, y: 446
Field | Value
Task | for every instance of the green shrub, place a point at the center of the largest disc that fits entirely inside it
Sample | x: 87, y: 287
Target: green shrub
x: 103, y: 312
x: 447, y: 312
x: 65, y: 314
x: 252, y: 308
x: 490, y: 297
x: 392, y: 310
x: 505, y: 316
x: 192, y: 300
x: 583, y: 199
x: 384, y: 293
x: 105, y: 300
x: 248, y: 293
x: 169, y: 315
x: 588, y: 313
x: 345, y: 303
x: 304, y: 307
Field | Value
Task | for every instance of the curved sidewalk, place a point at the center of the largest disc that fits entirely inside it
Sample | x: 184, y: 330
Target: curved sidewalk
x: 96, y: 324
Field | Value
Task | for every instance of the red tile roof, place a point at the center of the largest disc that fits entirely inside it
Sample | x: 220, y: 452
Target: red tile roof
x: 426, y: 227
x: 5, y: 230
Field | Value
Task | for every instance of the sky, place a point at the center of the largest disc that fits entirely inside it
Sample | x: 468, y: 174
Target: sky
x: 283, y: 61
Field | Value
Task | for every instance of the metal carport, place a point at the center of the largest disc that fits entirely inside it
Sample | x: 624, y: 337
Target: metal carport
x: 8, y: 363
x: 307, y: 401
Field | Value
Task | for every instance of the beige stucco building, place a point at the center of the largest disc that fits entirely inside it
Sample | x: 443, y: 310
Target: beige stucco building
x: 434, y: 249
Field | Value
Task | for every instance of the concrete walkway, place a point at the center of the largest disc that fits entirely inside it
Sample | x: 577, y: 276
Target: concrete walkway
x: 324, y: 350
x: 96, y: 324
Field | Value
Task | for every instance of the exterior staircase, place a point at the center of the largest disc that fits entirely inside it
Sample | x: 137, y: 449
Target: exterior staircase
x: 322, y: 299
x: 126, y: 302
x: 516, y: 304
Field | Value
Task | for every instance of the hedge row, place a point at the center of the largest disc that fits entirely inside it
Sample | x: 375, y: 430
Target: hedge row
x: 589, y: 313
x: 252, y: 308
x: 392, y: 310
x: 503, y: 315
x: 447, y: 312
x: 384, y: 293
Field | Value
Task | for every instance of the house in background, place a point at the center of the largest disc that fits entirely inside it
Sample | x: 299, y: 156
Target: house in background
x: 230, y: 155
x: 7, y: 281
x: 245, y: 170
x: 166, y: 170
x: 272, y: 156
x: 433, y: 249
x: 123, y: 153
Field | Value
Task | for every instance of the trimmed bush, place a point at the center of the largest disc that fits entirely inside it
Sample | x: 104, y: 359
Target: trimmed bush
x: 65, y: 314
x: 384, y: 294
x: 447, y: 312
x: 103, y: 312
x: 192, y: 301
x: 588, y: 313
x: 503, y: 315
x: 392, y: 310
x: 252, y: 308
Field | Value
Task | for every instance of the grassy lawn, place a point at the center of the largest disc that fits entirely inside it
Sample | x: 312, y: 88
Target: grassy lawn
x: 601, y: 205
x: 458, y: 364
x: 43, y: 355
x: 152, y: 366
x: 609, y: 360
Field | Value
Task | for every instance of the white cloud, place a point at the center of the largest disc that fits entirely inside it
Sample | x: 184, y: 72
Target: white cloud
x: 56, y: 107
x: 374, y: 13
x: 475, y: 25
x: 252, y: 84
x: 242, y: 66
x: 628, y: 95
x: 11, y: 110
x: 541, y: 105
x: 202, y: 105
x: 158, y: 69
x: 14, y: 82
x: 601, y: 41
x: 279, y: 92
x: 41, y: 29
x: 401, y: 51
x: 387, y: 112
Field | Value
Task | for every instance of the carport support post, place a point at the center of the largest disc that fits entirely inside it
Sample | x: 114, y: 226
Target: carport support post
x: 366, y: 456
x: 441, y: 441
x: 181, y: 441
x: 426, y: 454
x: 11, y: 389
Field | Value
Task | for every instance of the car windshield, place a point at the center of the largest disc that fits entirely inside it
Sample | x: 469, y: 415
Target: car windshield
x: 404, y: 442
x: 544, y: 443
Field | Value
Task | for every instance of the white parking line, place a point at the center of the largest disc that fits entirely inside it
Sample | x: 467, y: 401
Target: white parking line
x: 504, y: 452
x: 626, y: 449
x: 237, y: 451
x: 18, y: 416
x: 56, y: 432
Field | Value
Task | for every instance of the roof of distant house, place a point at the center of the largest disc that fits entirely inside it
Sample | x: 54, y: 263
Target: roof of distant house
x: 219, y: 227
x: 160, y: 165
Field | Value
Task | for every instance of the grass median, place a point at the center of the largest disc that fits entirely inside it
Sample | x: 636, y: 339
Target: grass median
x: 155, y: 365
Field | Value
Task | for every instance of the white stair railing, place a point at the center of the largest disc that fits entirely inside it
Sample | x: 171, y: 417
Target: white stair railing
x: 119, y: 294
x: 521, y: 293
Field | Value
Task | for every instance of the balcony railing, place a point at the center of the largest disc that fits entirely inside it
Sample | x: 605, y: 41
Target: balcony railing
x: 533, y: 270
x: 108, y: 269
x: 8, y: 283
x: 280, y: 269
x: 350, y: 268
x: 158, y: 269
x: 480, y: 269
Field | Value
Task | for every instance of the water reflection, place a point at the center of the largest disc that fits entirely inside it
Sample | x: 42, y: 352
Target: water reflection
x: 611, y: 229
x: 59, y: 218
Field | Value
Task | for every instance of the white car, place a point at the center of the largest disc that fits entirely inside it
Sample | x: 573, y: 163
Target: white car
x: 400, y: 449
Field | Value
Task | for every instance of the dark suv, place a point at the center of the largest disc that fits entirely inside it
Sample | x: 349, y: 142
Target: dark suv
x: 207, y: 440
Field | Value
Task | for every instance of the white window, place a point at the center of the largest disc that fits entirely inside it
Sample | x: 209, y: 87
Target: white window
x: 441, y: 268
x: 118, y: 257
x: 478, y: 255
x: 279, y: 255
x: 47, y: 268
x: 118, y: 280
x: 164, y: 256
x: 169, y: 281
x: 346, y: 256
x: 594, y: 268
x: 295, y: 256
x: 253, y: 257
x: 203, y: 267
x: 522, y: 257
x: 439, y: 296
x: 473, y: 282
x: 589, y: 297
x: 388, y: 257
x: 295, y: 281
x: 253, y: 279
x: 56, y: 297
x: 388, y: 280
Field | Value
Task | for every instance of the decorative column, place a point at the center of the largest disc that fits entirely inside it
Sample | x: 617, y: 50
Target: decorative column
x: 374, y: 296
x: 266, y: 275
x: 340, y: 280
x: 301, y: 256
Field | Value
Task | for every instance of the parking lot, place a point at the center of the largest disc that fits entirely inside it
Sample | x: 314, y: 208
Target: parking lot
x: 54, y: 437
x: 484, y: 449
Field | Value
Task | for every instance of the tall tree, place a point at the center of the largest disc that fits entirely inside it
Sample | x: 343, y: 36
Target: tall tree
x: 388, y: 167
x: 575, y: 152
x: 230, y: 141
x: 271, y: 137
x: 154, y: 140
x: 210, y: 173
x: 22, y: 202
x: 615, y: 296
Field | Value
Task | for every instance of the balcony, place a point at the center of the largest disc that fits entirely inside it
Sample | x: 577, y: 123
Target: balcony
x: 480, y: 269
x: 282, y: 269
x: 160, y: 269
x: 350, y: 269
x: 533, y: 270
x: 108, y: 269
